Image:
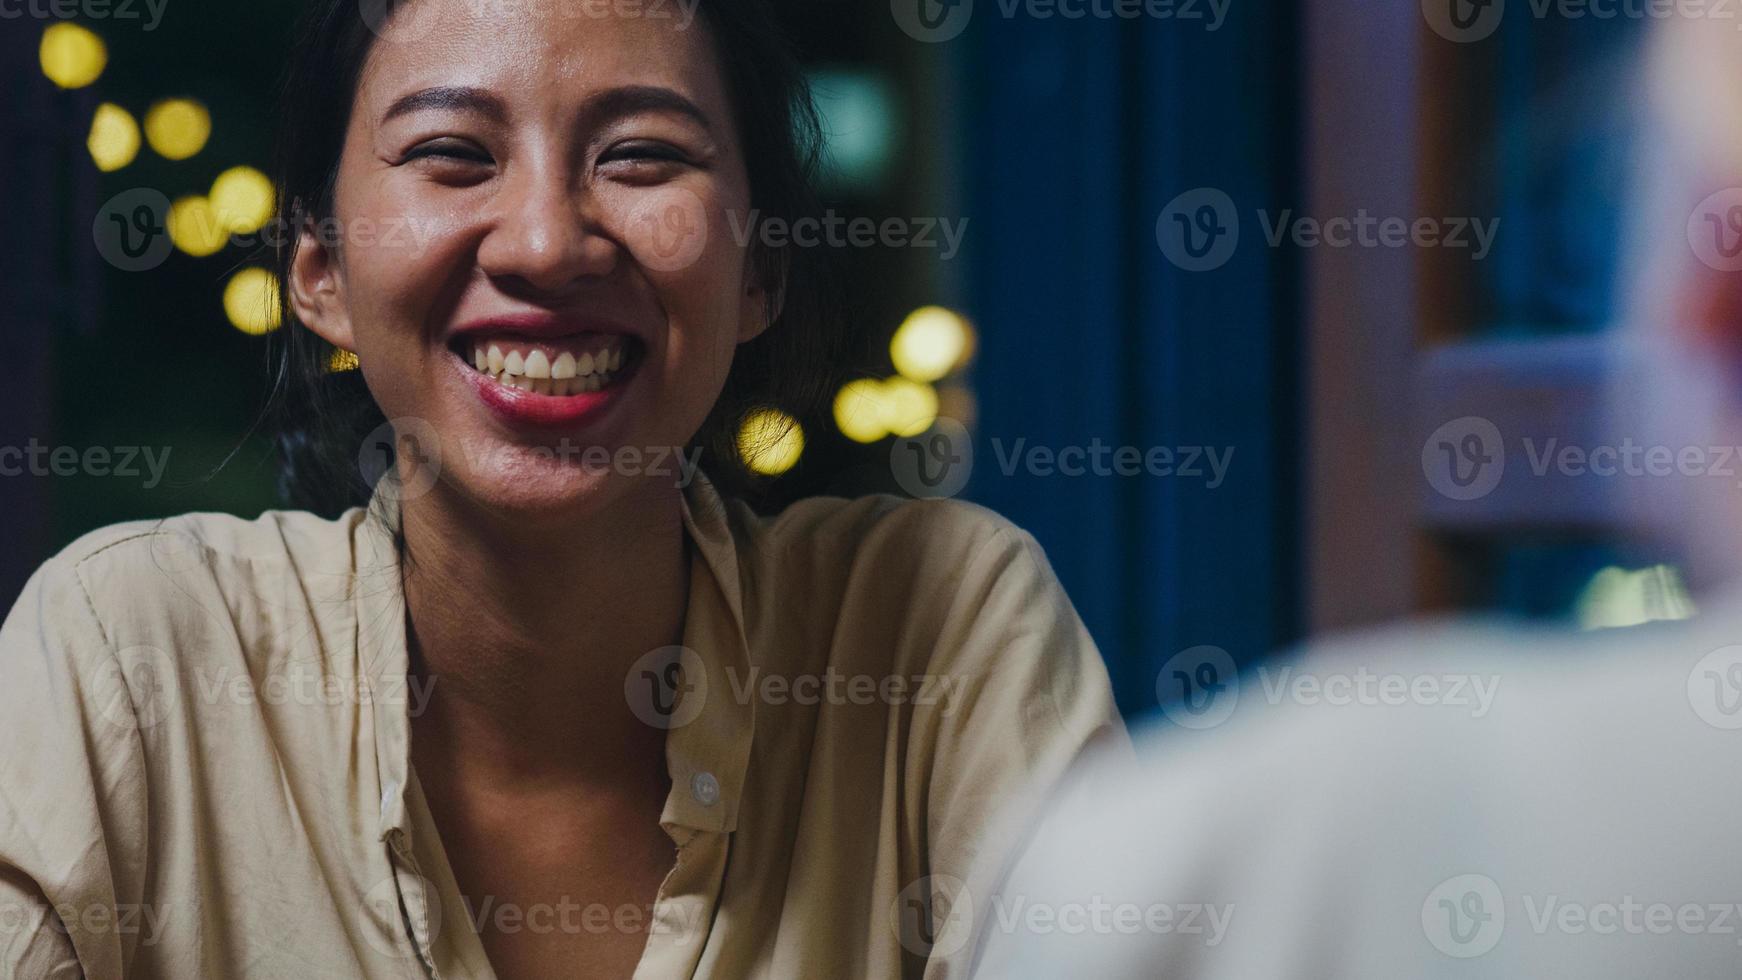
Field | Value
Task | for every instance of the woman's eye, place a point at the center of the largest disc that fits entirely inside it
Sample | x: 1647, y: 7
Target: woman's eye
x: 448, y: 150
x: 644, y: 151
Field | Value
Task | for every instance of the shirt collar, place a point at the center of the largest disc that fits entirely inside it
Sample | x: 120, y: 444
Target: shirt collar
x: 706, y: 756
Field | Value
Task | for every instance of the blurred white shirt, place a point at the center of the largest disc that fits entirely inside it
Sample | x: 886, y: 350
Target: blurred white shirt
x: 1361, y: 812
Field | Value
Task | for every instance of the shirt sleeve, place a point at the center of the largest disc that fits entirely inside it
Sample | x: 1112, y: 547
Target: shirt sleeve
x: 1027, y: 694
x: 72, y: 790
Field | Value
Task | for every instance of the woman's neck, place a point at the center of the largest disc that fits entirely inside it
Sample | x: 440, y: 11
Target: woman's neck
x: 527, y: 633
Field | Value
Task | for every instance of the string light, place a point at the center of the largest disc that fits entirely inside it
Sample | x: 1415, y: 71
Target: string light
x: 178, y: 128
x: 194, y: 227
x: 114, y: 139
x: 243, y: 199
x: 931, y: 343
x: 770, y: 442
x: 72, y: 56
x: 868, y: 410
x: 251, y: 301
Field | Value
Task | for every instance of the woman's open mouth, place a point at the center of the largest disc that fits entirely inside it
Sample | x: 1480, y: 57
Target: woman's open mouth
x: 551, y: 380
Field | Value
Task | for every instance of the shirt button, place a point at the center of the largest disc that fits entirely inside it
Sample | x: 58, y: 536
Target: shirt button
x: 705, y: 788
x: 388, y: 794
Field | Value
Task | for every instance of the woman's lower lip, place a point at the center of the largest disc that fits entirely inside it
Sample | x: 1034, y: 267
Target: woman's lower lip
x: 526, y: 408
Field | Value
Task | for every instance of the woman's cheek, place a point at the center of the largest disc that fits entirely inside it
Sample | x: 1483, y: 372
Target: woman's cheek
x: 409, y: 267
x: 667, y: 229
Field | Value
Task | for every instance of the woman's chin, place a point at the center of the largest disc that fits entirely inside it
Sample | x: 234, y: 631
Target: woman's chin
x: 544, y: 491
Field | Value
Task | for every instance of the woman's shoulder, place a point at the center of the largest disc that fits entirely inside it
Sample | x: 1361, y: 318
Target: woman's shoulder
x: 172, y: 578
x: 139, y: 555
x: 885, y: 578
x: 885, y: 528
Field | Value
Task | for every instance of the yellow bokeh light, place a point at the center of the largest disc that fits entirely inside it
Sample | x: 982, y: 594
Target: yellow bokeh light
x: 242, y: 198
x: 114, y: 139
x: 911, y: 408
x: 194, y: 227
x: 72, y: 56
x: 859, y: 411
x: 770, y: 442
x: 342, y: 360
x: 251, y: 301
x: 868, y: 409
x: 931, y: 343
x: 178, y: 128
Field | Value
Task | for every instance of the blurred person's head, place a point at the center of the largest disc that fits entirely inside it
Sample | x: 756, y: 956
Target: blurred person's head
x: 1680, y: 377
x: 522, y: 224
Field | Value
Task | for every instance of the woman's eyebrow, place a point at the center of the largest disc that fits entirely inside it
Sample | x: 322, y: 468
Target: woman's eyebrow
x: 451, y: 98
x: 628, y: 100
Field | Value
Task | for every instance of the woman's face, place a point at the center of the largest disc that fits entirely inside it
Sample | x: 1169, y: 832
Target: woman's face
x: 531, y: 254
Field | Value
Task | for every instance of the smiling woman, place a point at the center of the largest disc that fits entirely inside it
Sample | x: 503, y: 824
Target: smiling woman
x: 505, y: 697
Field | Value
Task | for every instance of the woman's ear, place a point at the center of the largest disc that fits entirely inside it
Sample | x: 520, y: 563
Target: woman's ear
x: 317, y: 293
x: 764, y: 294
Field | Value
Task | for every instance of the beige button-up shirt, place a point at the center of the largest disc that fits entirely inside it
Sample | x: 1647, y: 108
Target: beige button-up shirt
x: 205, y: 768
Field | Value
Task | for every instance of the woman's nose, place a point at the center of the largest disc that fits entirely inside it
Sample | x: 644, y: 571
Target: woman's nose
x: 546, y: 234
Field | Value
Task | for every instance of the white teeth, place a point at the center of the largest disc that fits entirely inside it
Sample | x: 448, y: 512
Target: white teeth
x: 537, y: 372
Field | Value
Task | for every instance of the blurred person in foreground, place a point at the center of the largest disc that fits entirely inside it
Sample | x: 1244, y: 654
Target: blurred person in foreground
x: 1544, y: 804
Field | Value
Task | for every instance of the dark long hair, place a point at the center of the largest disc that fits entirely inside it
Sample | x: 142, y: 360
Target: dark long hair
x: 320, y: 418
